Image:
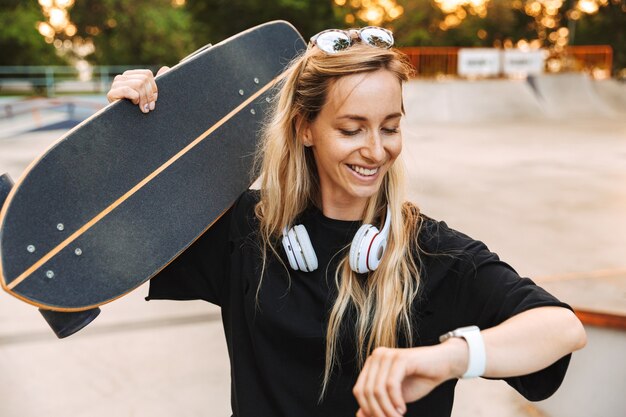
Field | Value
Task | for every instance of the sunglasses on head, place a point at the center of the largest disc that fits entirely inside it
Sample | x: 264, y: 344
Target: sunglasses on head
x: 332, y: 41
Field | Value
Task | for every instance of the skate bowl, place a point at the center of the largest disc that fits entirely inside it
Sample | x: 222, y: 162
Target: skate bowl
x: 465, y: 101
x: 20, y: 115
x: 613, y: 93
x: 572, y: 95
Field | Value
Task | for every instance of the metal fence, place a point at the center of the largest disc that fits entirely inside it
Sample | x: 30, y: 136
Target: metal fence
x: 428, y: 62
x: 51, y: 80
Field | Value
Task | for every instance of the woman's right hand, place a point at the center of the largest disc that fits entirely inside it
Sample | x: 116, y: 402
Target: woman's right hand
x: 138, y: 86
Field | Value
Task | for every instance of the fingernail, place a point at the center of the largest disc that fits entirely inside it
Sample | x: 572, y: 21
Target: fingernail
x: 152, y: 105
x: 155, y: 95
x: 146, y: 107
x: 399, y: 410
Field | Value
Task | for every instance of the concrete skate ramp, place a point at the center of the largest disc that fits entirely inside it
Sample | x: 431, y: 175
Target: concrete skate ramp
x: 470, y: 101
x: 570, y: 95
x: 18, y: 116
x: 613, y: 93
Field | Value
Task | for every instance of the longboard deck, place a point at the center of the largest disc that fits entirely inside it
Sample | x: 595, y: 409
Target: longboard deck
x: 121, y: 195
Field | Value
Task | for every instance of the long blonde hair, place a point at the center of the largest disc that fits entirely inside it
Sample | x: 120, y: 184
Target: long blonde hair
x: 289, y: 183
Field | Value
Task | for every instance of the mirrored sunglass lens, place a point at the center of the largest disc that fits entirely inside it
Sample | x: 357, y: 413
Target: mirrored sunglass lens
x: 332, y: 42
x: 377, y: 37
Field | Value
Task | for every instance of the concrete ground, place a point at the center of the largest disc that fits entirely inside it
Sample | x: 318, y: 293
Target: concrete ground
x: 546, y: 194
x: 549, y: 198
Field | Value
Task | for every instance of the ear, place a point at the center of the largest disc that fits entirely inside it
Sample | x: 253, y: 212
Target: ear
x: 307, y: 136
x: 303, y: 130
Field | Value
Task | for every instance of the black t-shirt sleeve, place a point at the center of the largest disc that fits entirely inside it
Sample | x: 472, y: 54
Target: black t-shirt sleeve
x: 201, y: 271
x: 477, y: 288
x: 498, y: 293
x: 495, y: 290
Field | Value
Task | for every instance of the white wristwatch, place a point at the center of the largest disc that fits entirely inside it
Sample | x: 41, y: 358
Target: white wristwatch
x: 477, y: 356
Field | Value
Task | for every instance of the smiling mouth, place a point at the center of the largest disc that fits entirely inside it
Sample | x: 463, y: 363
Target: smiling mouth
x: 364, y: 171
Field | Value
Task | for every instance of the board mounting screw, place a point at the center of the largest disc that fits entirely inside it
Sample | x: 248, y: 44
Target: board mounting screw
x: 241, y: 92
x: 252, y: 111
x: 256, y: 80
x: 78, y: 251
x: 50, y: 274
x: 30, y: 248
x: 60, y: 227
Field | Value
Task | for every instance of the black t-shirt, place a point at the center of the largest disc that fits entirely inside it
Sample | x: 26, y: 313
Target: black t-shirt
x: 277, y: 347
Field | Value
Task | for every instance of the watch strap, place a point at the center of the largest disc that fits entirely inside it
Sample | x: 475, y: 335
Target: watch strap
x: 477, y: 359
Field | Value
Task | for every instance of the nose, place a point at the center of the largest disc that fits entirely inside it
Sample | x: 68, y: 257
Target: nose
x: 373, y: 150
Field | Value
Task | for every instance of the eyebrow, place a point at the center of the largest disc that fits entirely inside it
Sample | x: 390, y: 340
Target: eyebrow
x: 363, y: 119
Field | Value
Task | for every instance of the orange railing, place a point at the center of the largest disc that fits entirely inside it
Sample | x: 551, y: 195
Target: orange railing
x: 590, y: 57
x: 432, y: 61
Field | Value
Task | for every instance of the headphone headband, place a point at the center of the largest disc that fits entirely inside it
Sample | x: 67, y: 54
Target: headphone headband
x: 366, y: 250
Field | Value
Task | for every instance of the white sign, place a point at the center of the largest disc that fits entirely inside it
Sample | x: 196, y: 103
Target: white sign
x: 522, y: 63
x: 479, y: 62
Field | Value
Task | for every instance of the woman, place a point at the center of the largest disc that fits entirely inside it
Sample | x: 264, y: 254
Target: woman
x: 324, y: 314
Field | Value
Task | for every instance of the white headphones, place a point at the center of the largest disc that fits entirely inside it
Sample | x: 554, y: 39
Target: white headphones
x: 366, y: 250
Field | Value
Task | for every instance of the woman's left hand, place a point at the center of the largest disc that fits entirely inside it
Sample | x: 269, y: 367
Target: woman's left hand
x: 391, y: 378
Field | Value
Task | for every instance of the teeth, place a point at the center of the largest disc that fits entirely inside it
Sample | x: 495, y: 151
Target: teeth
x: 364, y: 171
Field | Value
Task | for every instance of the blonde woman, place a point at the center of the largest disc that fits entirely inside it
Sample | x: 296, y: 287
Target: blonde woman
x: 339, y: 297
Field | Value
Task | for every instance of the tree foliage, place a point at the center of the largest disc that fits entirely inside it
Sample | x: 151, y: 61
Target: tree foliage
x: 20, y: 41
x: 607, y: 27
x: 149, y: 32
x: 421, y: 25
x: 144, y: 32
x: 215, y: 20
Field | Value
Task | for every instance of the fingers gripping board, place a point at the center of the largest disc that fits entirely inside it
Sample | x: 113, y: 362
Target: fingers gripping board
x: 117, y: 198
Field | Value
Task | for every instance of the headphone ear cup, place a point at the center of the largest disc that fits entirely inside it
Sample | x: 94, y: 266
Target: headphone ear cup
x: 297, y: 250
x: 376, y: 251
x: 308, y: 253
x: 289, y: 251
x: 359, y: 248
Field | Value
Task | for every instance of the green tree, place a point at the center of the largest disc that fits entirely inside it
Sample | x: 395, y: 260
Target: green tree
x: 606, y: 27
x: 215, y: 20
x: 422, y: 21
x: 20, y: 41
x: 138, y: 32
x: 416, y: 26
x: 501, y: 23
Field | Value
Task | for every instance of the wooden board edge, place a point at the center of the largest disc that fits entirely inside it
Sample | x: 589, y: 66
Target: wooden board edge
x: 599, y: 319
x: 89, y: 307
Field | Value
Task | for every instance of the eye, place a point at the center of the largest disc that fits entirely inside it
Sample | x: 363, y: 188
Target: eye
x: 347, y: 132
x: 391, y: 130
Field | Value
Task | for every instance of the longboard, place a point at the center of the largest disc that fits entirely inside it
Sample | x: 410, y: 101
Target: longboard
x: 118, y: 197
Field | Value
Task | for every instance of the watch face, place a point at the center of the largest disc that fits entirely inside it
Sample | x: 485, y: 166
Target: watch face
x: 460, y: 332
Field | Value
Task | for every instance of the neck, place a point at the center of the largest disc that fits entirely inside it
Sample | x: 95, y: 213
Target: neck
x: 338, y: 209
